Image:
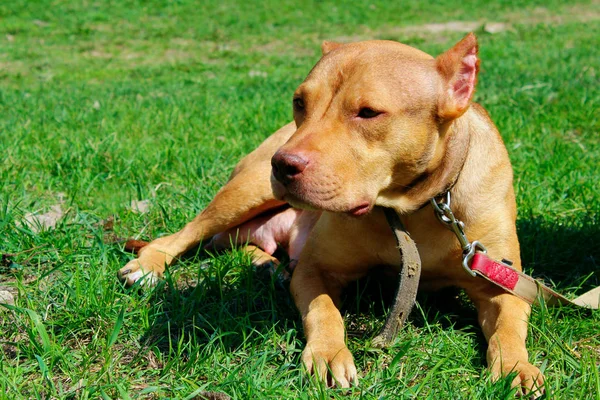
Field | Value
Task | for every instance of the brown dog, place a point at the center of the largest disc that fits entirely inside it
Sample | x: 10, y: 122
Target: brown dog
x: 375, y: 123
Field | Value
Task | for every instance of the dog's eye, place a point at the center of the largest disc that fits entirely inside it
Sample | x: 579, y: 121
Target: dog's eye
x: 367, y: 113
x: 298, y: 104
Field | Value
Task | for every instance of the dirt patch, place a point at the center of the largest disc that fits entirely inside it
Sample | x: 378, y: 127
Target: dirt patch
x: 435, y: 31
x: 99, y: 54
x: 458, y: 26
x: 38, y: 222
x: 140, y: 206
x: 589, y: 345
x: 6, y: 297
x: 12, y: 68
x: 541, y: 15
x: 10, y: 351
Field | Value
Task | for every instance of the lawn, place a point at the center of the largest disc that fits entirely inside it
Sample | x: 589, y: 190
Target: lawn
x: 128, y: 117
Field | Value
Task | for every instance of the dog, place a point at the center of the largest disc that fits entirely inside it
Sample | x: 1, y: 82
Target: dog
x: 376, y: 123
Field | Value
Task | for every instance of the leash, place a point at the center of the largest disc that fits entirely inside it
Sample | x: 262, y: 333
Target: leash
x: 478, y: 264
x: 406, y: 292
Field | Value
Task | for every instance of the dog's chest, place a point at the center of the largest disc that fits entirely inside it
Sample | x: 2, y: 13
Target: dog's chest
x: 359, y: 244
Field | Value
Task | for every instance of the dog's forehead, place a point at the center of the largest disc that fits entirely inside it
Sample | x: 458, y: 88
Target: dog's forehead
x: 388, y: 47
x: 373, y: 54
x: 379, y: 66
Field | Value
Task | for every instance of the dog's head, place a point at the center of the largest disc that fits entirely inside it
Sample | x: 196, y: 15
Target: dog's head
x: 373, y: 124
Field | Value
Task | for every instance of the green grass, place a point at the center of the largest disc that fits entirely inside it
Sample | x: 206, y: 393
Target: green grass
x: 102, y: 103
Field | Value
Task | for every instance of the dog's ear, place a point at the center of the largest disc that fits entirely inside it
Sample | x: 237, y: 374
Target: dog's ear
x: 458, y: 69
x: 327, y: 46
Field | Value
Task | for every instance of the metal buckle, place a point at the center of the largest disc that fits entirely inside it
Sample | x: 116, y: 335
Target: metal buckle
x: 446, y: 216
x: 440, y: 212
x: 468, y: 256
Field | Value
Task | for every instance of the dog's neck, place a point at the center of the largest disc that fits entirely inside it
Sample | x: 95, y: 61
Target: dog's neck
x: 435, y: 182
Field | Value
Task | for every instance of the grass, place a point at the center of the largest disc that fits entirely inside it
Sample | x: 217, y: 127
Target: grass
x: 103, y: 103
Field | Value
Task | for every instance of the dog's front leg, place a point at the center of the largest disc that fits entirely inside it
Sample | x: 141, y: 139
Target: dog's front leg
x: 247, y: 194
x: 316, y: 293
x: 503, y: 318
x: 244, y: 197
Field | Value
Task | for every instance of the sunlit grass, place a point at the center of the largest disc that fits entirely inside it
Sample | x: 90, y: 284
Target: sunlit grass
x: 102, y: 104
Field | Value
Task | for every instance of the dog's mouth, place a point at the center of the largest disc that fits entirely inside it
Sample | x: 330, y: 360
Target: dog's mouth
x: 307, y: 201
x: 360, y: 210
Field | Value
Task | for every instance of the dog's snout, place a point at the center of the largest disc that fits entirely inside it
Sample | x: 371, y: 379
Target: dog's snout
x: 287, y: 167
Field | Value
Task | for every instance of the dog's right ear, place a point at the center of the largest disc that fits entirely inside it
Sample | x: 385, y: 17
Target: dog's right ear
x: 327, y: 46
x: 458, y: 69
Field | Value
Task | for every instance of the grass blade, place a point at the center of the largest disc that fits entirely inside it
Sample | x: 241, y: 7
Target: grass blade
x: 40, y: 328
x: 117, y: 328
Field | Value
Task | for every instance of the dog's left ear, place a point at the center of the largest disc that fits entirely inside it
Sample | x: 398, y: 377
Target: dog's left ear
x: 458, y: 69
x: 327, y: 46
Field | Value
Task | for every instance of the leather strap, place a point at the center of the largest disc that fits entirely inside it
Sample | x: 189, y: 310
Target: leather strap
x: 526, y: 287
x: 410, y: 274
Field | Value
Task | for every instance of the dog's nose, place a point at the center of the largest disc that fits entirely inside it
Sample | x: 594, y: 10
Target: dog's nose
x: 287, y: 167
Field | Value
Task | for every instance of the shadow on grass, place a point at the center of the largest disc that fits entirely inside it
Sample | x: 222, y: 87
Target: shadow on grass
x: 228, y: 301
x: 567, y: 256
x: 220, y: 299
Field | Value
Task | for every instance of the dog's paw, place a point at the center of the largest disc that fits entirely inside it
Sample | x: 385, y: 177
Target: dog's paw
x: 134, y: 272
x: 529, y: 379
x: 331, y: 364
